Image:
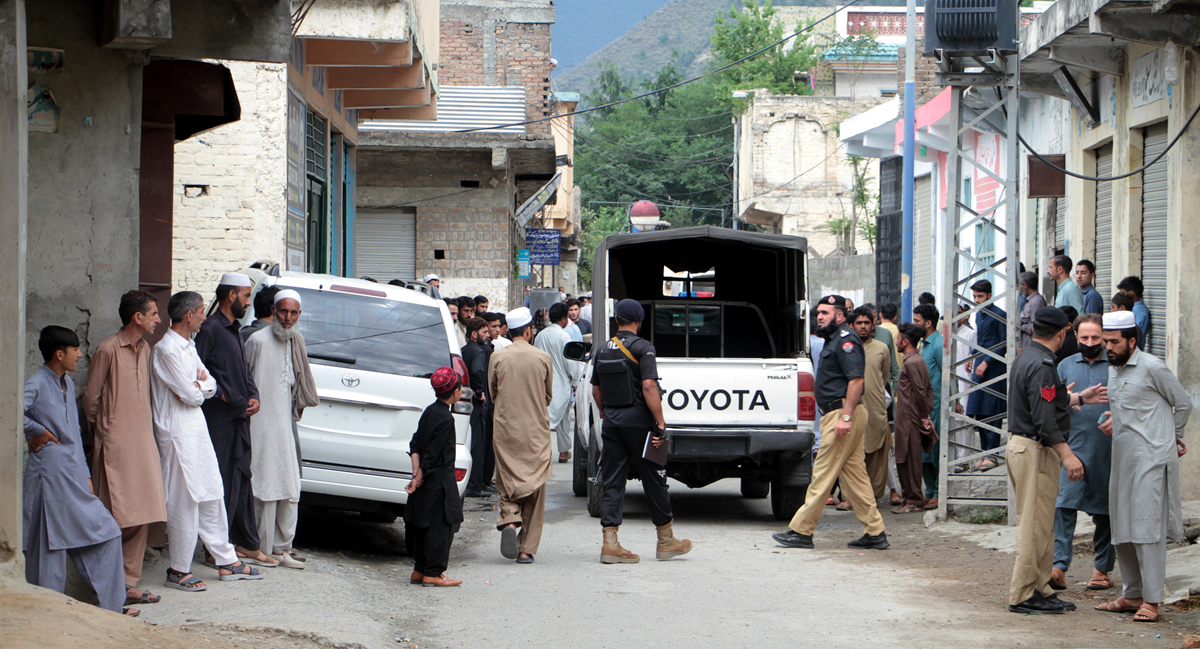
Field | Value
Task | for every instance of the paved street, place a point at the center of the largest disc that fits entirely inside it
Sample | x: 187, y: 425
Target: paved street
x: 734, y: 590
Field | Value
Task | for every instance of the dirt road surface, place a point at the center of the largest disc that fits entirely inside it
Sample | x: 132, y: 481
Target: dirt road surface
x: 934, y: 587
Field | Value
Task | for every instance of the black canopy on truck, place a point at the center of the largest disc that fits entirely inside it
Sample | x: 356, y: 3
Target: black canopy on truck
x: 766, y: 270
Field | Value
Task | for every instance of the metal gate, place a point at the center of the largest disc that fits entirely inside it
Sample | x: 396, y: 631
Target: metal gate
x: 1154, y: 238
x: 923, y: 236
x: 385, y: 244
x: 1103, y: 259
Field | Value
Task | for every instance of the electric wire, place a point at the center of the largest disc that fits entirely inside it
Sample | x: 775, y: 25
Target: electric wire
x: 656, y: 91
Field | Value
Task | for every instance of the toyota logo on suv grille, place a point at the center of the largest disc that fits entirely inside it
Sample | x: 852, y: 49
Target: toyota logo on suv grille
x: 351, y: 381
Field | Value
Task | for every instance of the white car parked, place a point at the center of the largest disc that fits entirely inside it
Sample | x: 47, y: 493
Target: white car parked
x: 372, y: 348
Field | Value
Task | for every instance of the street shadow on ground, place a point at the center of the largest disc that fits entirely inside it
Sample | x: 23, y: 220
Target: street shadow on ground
x: 341, y: 531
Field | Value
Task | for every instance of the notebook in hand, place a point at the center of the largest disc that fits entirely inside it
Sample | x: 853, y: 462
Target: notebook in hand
x: 655, y: 455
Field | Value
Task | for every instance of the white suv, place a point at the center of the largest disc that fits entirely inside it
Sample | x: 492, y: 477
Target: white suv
x: 372, y: 348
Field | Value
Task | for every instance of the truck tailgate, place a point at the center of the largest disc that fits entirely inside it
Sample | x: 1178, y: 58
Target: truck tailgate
x: 729, y: 392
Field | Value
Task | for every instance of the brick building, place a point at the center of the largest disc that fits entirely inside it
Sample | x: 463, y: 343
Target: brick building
x: 279, y: 184
x: 441, y: 197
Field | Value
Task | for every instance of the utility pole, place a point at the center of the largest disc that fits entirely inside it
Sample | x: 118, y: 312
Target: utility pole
x: 910, y: 102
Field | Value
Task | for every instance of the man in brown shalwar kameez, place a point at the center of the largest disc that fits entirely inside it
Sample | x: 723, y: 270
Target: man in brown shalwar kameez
x: 914, y: 431
x: 878, y: 439
x: 126, y: 471
x: 521, y: 385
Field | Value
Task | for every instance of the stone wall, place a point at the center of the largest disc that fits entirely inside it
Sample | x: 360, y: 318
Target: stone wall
x: 794, y: 164
x: 229, y: 205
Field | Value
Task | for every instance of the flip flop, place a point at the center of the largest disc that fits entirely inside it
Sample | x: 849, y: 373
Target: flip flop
x: 131, y: 612
x: 295, y: 555
x: 911, y: 509
x: 845, y: 506
x: 508, y: 542
x: 255, y: 562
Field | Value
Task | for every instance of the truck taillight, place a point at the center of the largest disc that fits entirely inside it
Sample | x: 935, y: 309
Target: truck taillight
x: 806, y: 400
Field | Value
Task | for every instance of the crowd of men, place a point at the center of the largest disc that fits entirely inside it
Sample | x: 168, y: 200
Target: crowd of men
x: 1094, y: 421
x: 173, y: 428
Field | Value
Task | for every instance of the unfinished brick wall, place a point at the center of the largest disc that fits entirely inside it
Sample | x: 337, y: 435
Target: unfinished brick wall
x: 461, y: 54
x: 925, y: 76
x: 485, y: 49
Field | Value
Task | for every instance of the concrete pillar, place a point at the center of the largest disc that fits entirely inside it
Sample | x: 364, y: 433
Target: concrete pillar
x: 14, y: 199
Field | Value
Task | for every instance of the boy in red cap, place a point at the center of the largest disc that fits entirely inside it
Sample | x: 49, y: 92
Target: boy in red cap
x: 434, y: 511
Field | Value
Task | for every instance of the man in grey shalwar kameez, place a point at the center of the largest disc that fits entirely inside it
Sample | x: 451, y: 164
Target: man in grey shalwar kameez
x: 1149, y: 409
x: 62, y: 517
x: 552, y: 340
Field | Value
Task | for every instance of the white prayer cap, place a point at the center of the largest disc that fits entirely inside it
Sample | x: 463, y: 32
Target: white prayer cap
x: 287, y: 294
x: 235, y: 279
x: 518, y: 317
x: 1119, y: 320
x: 431, y: 278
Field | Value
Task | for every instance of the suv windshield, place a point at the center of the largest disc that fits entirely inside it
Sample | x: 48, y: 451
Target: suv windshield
x: 373, y: 334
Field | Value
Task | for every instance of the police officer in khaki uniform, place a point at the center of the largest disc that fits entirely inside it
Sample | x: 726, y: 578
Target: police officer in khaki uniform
x: 1039, y: 421
x: 843, y: 426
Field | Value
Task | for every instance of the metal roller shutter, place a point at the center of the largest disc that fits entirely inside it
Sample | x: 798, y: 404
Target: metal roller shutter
x: 385, y: 245
x: 1060, y: 224
x: 922, y: 236
x: 1154, y: 238
x: 1103, y: 259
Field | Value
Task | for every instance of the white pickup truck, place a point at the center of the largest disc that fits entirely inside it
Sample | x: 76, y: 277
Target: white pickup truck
x: 727, y: 313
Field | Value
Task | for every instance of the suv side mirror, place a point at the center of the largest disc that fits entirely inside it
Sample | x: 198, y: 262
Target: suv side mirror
x: 574, y: 351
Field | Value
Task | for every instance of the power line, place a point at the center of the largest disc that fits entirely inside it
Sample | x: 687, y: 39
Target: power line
x: 675, y: 85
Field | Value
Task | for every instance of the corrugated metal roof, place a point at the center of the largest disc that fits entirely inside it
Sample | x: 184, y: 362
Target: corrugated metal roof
x: 873, y: 52
x: 461, y: 108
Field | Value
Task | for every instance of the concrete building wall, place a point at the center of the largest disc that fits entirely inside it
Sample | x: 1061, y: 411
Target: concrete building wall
x: 470, y: 227
x: 83, y: 183
x: 230, y: 205
x: 795, y: 164
x: 866, y: 85
x: 851, y: 277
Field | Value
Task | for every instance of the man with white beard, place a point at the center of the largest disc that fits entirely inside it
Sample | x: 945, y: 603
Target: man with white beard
x: 278, y: 361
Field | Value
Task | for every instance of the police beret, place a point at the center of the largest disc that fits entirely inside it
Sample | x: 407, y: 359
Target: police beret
x: 835, y: 300
x: 1051, y: 316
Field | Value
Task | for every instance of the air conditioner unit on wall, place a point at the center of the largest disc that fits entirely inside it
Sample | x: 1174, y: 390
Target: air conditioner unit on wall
x: 971, y: 27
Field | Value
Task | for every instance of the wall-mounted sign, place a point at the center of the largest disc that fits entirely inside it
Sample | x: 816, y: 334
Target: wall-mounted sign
x: 1147, y: 84
x: 545, y: 246
x: 45, y: 60
x: 42, y: 110
x: 522, y: 264
x: 296, y: 196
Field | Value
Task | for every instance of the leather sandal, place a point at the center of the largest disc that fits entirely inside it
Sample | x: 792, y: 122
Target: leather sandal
x: 1100, y: 581
x: 1118, y: 605
x: 1058, y: 579
x: 1146, y: 613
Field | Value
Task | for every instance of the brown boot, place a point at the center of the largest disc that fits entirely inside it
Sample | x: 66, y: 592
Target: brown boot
x: 612, y: 552
x: 669, y: 546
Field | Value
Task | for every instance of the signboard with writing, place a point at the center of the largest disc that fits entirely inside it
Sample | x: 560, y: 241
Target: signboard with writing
x: 545, y: 246
x: 1147, y: 84
x: 522, y: 264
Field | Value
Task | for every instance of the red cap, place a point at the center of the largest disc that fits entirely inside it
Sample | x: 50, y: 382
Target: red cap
x: 444, y: 380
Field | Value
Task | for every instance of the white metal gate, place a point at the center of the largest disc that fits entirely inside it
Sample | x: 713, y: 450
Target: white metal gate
x: 1154, y: 237
x: 1103, y: 259
x: 923, y: 236
x: 385, y: 244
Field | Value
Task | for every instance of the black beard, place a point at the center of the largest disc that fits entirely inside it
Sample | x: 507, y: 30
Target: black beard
x: 1119, y: 360
x: 238, y: 309
x: 828, y: 330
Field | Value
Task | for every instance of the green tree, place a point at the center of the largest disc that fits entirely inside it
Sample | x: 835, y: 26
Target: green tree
x: 738, y: 34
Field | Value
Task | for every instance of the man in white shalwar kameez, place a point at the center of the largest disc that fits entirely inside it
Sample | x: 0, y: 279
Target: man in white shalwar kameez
x: 551, y: 340
x: 275, y: 464
x: 1148, y: 409
x: 192, y: 480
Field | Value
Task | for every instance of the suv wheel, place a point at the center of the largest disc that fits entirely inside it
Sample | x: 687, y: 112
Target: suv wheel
x: 785, y: 500
x: 755, y: 487
x: 579, y: 472
x: 594, y: 489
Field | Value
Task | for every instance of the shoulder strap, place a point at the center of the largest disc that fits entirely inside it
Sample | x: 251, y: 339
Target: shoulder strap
x: 621, y: 346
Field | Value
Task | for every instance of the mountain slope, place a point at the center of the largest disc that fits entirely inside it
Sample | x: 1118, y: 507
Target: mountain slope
x: 584, y: 26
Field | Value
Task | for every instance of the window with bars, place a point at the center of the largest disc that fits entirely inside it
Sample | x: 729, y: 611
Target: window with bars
x: 316, y: 163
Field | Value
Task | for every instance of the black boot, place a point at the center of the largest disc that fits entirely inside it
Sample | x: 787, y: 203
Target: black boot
x: 868, y: 542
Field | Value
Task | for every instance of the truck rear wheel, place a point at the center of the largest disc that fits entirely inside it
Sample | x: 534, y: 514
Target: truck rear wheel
x: 785, y: 500
x: 579, y: 468
x: 755, y: 487
x: 594, y: 489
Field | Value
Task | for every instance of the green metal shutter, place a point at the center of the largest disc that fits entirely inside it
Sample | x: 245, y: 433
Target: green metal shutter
x: 1060, y: 224
x: 1154, y: 238
x: 922, y: 236
x: 385, y: 245
x: 1104, y: 219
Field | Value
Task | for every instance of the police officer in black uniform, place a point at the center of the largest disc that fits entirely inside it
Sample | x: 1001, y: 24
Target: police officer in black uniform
x: 1039, y: 421
x: 843, y: 426
x: 634, y: 411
